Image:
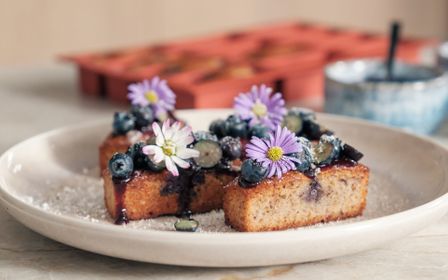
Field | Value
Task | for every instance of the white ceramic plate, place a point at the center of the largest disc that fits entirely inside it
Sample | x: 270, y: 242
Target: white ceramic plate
x: 50, y: 184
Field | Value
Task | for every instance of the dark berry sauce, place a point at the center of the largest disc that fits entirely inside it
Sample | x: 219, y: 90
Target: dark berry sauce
x: 120, y: 188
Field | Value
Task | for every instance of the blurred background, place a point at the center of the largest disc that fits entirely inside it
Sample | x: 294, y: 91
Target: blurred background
x: 76, y: 58
x: 36, y: 31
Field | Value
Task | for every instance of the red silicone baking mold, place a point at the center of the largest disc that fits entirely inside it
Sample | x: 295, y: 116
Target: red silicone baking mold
x: 211, y: 71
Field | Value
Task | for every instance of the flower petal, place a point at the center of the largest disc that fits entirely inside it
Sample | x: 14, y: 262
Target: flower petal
x: 154, y: 152
x: 187, y: 153
x: 171, y: 166
x: 182, y: 163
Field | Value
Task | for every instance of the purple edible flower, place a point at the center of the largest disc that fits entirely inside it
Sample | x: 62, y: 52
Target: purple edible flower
x: 258, y: 106
x: 154, y: 93
x: 273, y: 153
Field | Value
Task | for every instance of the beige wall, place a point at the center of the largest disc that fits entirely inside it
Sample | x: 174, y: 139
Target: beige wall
x: 34, y: 31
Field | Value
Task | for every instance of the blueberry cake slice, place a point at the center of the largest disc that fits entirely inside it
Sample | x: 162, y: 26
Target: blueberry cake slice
x: 288, y: 181
x: 152, y: 100
x: 175, y: 172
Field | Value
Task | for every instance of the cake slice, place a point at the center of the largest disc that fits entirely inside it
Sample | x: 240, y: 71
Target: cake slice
x: 287, y: 182
x: 148, y: 195
x: 337, y: 192
x: 174, y: 172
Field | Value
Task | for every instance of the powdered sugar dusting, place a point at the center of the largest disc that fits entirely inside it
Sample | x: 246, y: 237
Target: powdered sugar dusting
x: 81, y: 196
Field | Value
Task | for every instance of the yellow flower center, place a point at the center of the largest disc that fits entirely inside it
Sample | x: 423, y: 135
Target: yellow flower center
x: 152, y: 97
x: 259, y: 109
x: 275, y: 153
x: 169, y: 148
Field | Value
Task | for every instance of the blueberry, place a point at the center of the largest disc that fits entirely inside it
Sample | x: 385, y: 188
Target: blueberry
x: 143, y: 115
x: 252, y: 172
x: 189, y: 225
x: 303, y: 113
x: 137, y: 155
x: 210, y: 153
x: 327, y: 150
x: 259, y: 131
x: 231, y: 147
x: 219, y: 128
x: 141, y: 160
x: 293, y: 123
x: 204, y: 135
x: 305, y: 156
x: 234, y: 119
x: 238, y: 130
x: 351, y: 152
x: 123, y: 122
x: 121, y: 166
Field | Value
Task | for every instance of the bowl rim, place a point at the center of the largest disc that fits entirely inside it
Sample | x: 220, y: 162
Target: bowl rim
x: 440, y: 78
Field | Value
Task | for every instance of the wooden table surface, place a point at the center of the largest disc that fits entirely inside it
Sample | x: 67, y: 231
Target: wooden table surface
x: 33, y: 100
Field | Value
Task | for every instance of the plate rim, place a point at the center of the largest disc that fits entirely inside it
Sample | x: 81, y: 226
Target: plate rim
x: 234, y: 237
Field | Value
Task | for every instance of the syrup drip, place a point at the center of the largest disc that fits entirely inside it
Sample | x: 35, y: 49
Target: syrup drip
x: 120, y: 188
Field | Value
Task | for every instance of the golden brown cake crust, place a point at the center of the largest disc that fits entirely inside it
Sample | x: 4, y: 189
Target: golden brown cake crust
x: 265, y: 206
x: 142, y: 196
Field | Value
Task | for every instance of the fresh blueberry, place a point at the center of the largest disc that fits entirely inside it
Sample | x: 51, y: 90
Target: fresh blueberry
x: 140, y: 160
x: 143, y: 115
x: 327, y: 150
x: 351, y: 152
x: 259, y: 130
x: 121, y: 166
x: 234, y: 119
x: 231, y: 147
x: 204, y: 135
x: 252, y: 172
x: 210, y: 153
x: 123, y: 122
x: 312, y: 129
x: 219, y: 128
x: 238, y: 130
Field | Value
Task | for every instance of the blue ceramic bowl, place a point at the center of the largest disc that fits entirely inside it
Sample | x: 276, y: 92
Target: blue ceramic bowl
x: 416, y: 100
x: 442, y: 56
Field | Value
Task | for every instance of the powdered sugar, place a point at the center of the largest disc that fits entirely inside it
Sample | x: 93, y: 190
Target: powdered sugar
x: 81, y: 196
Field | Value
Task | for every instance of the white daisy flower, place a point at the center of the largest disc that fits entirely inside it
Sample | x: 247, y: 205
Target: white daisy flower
x: 171, y: 146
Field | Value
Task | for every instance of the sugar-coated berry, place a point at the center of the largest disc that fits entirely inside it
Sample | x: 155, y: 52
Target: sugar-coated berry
x: 259, y: 130
x: 327, y: 150
x: 121, y: 166
x: 144, y: 116
x: 231, y: 147
x: 305, y: 157
x: 252, y: 172
x: 123, y: 123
